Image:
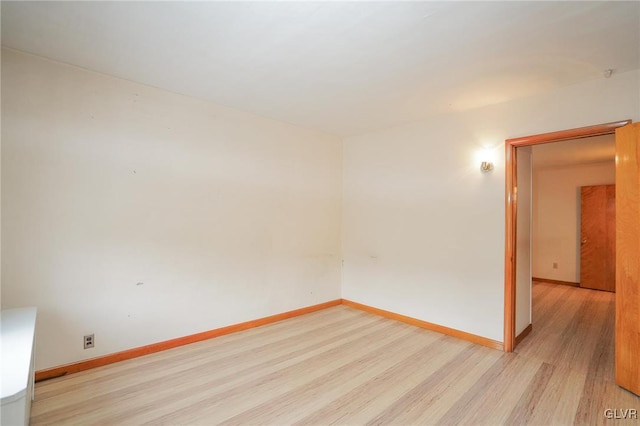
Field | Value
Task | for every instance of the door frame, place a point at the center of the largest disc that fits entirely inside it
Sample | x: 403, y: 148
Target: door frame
x: 511, y: 209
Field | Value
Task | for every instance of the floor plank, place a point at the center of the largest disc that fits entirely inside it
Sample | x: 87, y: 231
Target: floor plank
x: 343, y: 366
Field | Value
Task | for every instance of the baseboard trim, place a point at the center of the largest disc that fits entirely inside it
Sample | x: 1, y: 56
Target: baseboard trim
x: 546, y: 280
x: 100, y: 361
x: 76, y: 367
x: 520, y: 337
x: 427, y: 325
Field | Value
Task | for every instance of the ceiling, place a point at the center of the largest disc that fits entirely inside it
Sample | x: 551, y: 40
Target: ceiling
x: 595, y: 149
x: 343, y: 68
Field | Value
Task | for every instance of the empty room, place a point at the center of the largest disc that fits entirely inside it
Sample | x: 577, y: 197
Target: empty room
x: 317, y: 213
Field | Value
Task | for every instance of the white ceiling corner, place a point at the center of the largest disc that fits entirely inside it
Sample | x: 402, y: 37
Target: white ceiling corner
x: 344, y: 68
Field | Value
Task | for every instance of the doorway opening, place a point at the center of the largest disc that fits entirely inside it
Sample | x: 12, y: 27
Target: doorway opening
x: 573, y: 214
x: 511, y: 257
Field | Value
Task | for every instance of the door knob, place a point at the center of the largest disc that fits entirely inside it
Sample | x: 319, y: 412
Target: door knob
x: 584, y: 241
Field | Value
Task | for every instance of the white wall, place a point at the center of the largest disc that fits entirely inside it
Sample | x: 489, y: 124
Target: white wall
x: 556, y: 225
x: 224, y: 216
x: 0, y: 182
x: 423, y: 228
x: 523, y: 239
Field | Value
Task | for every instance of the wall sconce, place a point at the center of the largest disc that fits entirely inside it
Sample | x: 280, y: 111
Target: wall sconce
x: 486, y: 166
x: 486, y: 156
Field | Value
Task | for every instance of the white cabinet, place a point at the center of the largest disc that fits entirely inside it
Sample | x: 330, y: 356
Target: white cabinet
x: 18, y: 357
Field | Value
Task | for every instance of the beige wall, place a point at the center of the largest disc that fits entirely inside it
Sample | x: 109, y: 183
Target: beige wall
x: 223, y: 216
x: 423, y: 229
x: 556, y: 225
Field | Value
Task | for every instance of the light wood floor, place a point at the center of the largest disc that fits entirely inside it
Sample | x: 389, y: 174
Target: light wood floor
x: 343, y: 366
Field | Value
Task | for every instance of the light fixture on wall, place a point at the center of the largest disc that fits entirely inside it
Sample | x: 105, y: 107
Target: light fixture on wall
x: 486, y: 156
x: 486, y: 166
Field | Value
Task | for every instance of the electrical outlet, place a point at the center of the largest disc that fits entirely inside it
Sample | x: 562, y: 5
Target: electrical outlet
x: 89, y: 341
x: 555, y: 265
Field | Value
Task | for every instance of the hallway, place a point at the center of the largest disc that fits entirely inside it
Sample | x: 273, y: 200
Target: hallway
x: 573, y: 335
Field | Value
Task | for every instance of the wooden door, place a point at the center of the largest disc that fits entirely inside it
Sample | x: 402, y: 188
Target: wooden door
x: 627, y: 255
x: 598, y: 237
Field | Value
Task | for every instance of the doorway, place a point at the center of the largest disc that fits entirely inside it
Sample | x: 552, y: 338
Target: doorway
x: 573, y: 200
x: 511, y: 257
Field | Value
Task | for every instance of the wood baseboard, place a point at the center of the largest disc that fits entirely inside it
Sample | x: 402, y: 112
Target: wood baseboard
x: 75, y: 367
x: 427, y: 325
x: 520, y: 337
x: 546, y: 280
